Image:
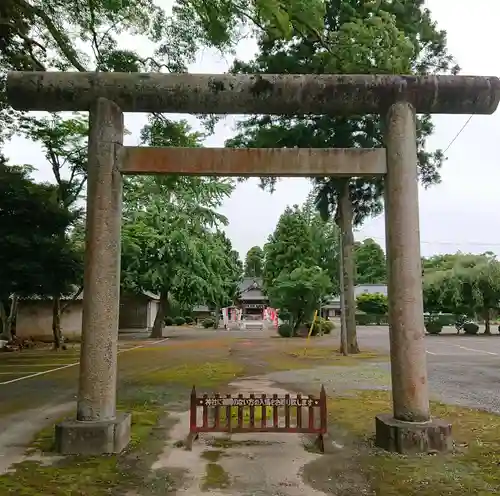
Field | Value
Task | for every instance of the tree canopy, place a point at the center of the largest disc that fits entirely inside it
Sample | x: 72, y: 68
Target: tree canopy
x: 254, y: 262
x: 301, y: 263
x: 172, y: 244
x: 289, y: 247
x: 36, y: 257
x: 370, y: 262
x: 386, y: 37
x: 463, y: 284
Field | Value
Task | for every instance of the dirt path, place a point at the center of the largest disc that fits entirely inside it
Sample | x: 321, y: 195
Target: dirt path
x: 240, y: 464
x: 19, y: 430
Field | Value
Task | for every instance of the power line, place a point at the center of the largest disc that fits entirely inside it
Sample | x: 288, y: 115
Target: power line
x: 458, y: 134
x: 450, y: 243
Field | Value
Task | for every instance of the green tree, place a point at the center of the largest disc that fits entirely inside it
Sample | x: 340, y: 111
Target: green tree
x: 32, y: 241
x: 373, y: 303
x: 325, y: 239
x: 289, y: 247
x: 85, y: 35
x: 370, y: 261
x: 64, y: 142
x: 169, y: 247
x: 298, y: 293
x: 360, y: 37
x: 465, y: 288
x: 254, y: 262
x: 224, y: 272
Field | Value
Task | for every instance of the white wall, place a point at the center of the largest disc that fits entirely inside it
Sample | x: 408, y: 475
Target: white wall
x: 153, y: 307
x: 370, y: 289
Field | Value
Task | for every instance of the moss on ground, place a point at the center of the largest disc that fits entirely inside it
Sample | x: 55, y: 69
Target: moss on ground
x: 202, y: 375
x: 92, y: 476
x: 472, y: 469
x: 302, y: 358
x: 224, y: 443
x: 212, y: 455
x: 104, y: 475
x: 215, y: 477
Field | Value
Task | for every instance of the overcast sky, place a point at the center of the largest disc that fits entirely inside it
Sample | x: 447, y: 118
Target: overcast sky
x: 459, y: 214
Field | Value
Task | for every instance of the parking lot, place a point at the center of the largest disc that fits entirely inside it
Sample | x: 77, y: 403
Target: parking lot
x: 18, y: 366
x: 462, y: 369
x: 448, y: 343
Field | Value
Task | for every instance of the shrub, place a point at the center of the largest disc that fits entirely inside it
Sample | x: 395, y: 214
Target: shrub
x: 188, y: 319
x: 371, y: 319
x: 372, y: 303
x: 169, y: 321
x: 445, y: 319
x: 207, y: 323
x: 321, y: 326
x: 364, y: 319
x: 284, y: 316
x: 179, y: 321
x: 327, y: 326
x: 433, y: 327
x: 471, y: 328
x: 285, y: 330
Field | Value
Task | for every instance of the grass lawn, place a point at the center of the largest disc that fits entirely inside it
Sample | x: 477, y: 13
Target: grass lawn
x: 474, y: 467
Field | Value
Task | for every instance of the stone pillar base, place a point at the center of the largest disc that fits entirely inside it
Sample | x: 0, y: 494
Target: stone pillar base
x: 74, y: 437
x: 412, y: 437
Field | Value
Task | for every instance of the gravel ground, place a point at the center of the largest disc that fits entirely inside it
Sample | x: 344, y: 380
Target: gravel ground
x: 337, y: 379
x: 448, y: 384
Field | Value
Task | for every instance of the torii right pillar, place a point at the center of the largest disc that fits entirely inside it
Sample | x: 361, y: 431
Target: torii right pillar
x: 410, y: 429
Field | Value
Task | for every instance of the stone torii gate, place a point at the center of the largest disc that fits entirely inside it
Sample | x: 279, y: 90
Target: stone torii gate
x: 98, y: 427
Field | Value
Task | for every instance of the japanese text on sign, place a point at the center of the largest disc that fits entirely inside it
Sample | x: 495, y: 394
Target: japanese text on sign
x: 305, y: 402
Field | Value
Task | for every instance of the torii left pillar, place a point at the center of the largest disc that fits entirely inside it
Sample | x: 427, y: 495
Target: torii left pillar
x: 98, y: 427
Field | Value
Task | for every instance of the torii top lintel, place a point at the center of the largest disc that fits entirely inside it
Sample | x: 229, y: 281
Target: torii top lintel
x: 290, y: 94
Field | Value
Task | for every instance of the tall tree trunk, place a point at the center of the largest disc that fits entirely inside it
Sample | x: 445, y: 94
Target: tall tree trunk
x: 487, y: 326
x: 6, y: 330
x: 11, y: 318
x: 157, y: 331
x: 216, y: 319
x: 56, y: 321
x: 344, y: 349
x: 346, y: 215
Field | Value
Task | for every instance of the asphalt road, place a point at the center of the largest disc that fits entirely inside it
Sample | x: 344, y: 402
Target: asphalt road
x: 461, y: 369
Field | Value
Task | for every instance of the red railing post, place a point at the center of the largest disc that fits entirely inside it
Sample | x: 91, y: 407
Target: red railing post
x: 287, y: 411
x: 193, y: 420
x: 263, y: 420
x: 229, y: 414
x: 275, y: 411
x: 192, y: 411
x: 323, y: 414
x: 252, y: 412
x: 299, y: 411
x: 311, y: 413
x: 217, y: 413
x: 205, y: 412
x: 240, y: 413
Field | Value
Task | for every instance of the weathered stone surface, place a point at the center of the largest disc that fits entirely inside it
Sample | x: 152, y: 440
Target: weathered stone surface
x: 406, y: 314
x: 97, y: 387
x: 93, y: 438
x: 288, y: 94
x: 282, y: 162
x: 412, y: 437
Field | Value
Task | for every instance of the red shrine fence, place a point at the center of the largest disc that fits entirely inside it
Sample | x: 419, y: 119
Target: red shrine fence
x: 236, y: 414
